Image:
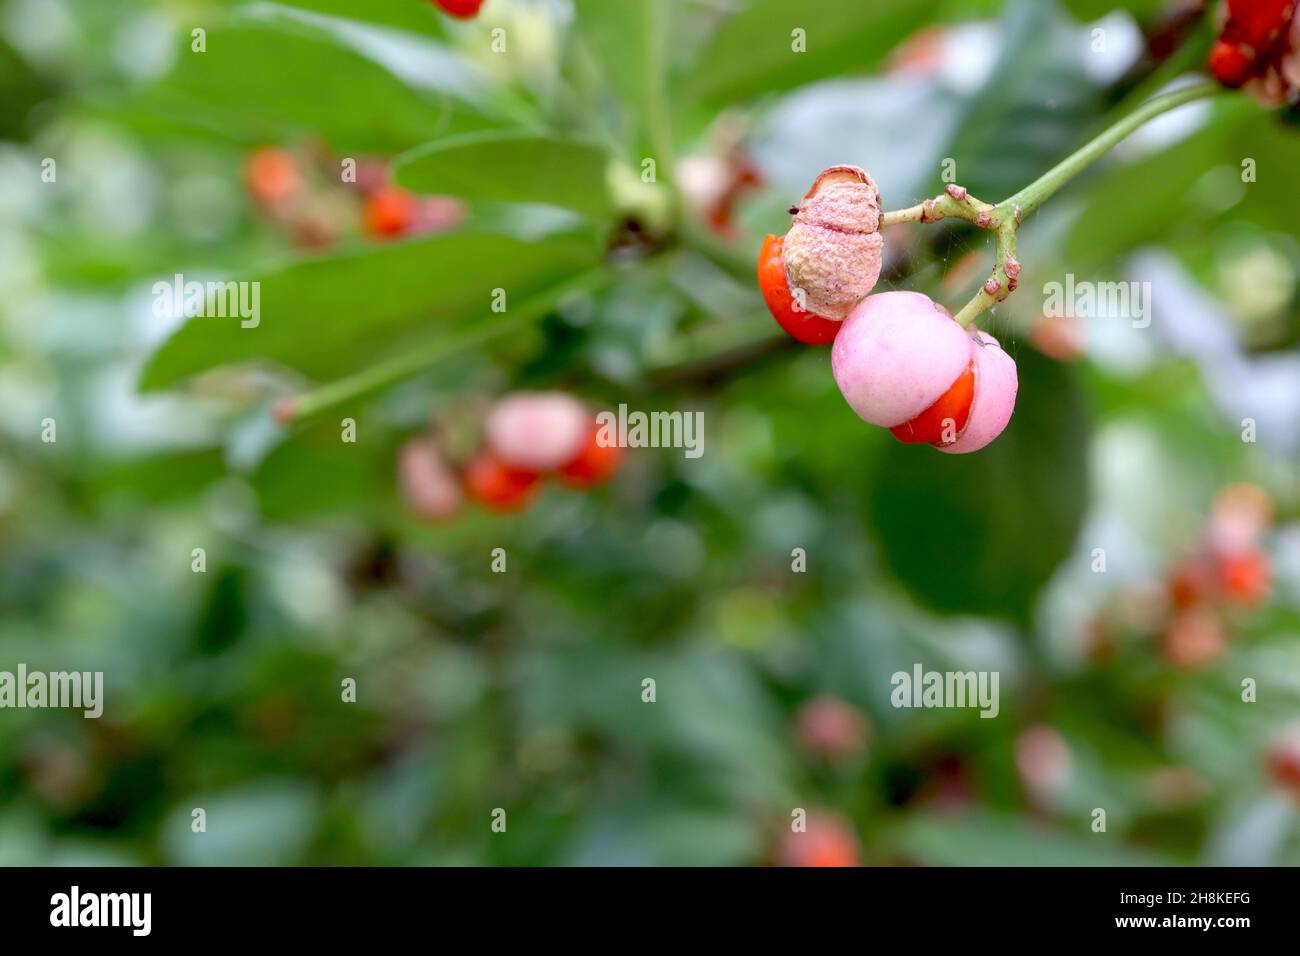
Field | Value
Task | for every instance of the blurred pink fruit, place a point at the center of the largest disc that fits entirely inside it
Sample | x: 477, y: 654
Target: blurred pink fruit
x: 537, y: 431
x: 1193, y: 639
x: 831, y: 728
x: 430, y: 488
x: 899, y: 355
x: 1043, y: 761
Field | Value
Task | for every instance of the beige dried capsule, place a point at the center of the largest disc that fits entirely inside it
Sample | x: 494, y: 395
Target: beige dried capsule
x: 834, y: 248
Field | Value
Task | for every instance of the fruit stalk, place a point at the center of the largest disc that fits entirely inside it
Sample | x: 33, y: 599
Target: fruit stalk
x: 1005, y: 217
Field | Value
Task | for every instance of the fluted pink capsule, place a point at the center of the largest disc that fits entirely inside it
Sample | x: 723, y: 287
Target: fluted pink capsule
x: 896, y: 354
x: 834, y: 249
x: 996, y: 384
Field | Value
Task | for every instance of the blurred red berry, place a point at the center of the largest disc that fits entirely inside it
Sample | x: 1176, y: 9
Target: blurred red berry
x: 497, y: 486
x: 594, y: 464
x: 827, y: 840
x: 1253, y: 41
x: 272, y: 176
x: 461, y: 9
x: 1245, y: 578
x: 831, y: 728
x: 388, y: 212
x: 1191, y: 582
x: 1259, y: 24
x: 1283, y: 761
x: 1229, y: 64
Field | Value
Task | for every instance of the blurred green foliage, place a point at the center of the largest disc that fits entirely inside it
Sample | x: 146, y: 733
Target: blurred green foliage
x: 523, y: 690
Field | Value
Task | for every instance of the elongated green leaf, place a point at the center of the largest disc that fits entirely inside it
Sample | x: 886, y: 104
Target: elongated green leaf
x: 981, y: 533
x: 423, y: 18
x: 275, y: 80
x: 1088, y: 10
x: 511, y: 167
x: 612, y: 38
x: 754, y: 51
x: 325, y: 317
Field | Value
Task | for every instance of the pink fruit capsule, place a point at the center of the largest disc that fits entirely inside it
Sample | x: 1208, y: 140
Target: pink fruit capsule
x: 898, y: 354
x: 996, y: 384
x: 430, y: 489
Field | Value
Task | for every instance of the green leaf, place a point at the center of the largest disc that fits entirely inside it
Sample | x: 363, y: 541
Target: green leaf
x: 988, y: 839
x: 751, y: 52
x: 362, y: 476
x: 272, y: 81
x: 1086, y: 11
x: 159, y: 478
x: 511, y: 167
x: 327, y: 316
x: 1178, y: 192
x: 658, y: 835
x: 613, y: 36
x: 21, y: 89
x: 982, y: 533
x: 1036, y: 105
x: 264, y: 823
x: 419, y: 17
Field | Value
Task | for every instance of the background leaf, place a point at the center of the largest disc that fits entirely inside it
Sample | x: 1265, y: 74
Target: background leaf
x: 1036, y: 105
x: 324, y: 317
x: 981, y: 533
x: 750, y: 53
x: 317, y: 87
x: 511, y: 167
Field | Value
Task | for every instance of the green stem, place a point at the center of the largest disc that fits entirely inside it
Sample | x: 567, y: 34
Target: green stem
x: 1004, y: 218
x: 409, y: 363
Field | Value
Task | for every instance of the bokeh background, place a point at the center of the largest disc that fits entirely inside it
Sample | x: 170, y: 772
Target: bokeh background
x: 1121, y: 688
